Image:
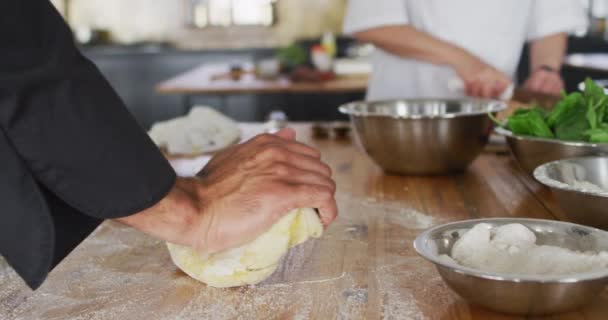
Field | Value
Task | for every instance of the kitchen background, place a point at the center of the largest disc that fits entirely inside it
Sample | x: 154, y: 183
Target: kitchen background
x: 138, y: 44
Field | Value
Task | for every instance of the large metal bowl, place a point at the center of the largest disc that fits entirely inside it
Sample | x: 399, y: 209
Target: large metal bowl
x: 531, y: 152
x: 519, y: 294
x: 423, y: 136
x: 568, y: 179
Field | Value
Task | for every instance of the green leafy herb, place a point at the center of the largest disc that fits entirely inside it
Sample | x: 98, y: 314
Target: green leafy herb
x: 576, y: 117
x: 530, y: 122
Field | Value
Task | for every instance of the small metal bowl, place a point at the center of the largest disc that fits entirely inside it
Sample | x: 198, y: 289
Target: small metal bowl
x: 519, y: 294
x: 423, y: 136
x: 531, y: 152
x: 567, y: 179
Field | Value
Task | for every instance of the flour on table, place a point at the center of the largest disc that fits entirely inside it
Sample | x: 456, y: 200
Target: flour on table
x: 512, y: 249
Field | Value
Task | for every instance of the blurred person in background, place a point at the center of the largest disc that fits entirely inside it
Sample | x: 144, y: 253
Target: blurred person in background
x: 425, y: 45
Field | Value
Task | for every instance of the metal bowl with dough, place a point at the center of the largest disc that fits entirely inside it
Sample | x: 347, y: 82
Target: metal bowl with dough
x: 519, y: 294
x: 251, y: 263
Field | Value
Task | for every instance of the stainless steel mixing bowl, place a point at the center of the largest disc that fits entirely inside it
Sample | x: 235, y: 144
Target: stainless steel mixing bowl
x: 519, y: 294
x: 423, y: 136
x: 580, y: 185
x: 531, y: 152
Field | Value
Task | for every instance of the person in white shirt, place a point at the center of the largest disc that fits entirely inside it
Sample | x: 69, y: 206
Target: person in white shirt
x: 424, y: 45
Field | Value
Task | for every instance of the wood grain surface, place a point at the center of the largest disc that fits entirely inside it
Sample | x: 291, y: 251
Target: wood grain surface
x: 201, y: 80
x: 364, y: 267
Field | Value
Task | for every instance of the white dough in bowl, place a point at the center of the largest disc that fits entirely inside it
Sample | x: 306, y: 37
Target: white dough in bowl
x: 203, y: 130
x: 251, y: 263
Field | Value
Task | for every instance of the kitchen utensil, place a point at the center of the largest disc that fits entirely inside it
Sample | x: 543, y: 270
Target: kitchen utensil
x: 580, y: 185
x: 531, y: 152
x: 519, y: 294
x: 423, y: 136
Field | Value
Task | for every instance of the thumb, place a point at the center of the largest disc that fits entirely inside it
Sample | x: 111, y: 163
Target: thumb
x: 287, y: 133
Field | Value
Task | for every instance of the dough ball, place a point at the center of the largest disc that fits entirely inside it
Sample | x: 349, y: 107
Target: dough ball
x: 251, y: 263
x: 203, y: 130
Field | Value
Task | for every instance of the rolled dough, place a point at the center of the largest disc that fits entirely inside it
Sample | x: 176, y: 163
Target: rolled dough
x: 251, y: 263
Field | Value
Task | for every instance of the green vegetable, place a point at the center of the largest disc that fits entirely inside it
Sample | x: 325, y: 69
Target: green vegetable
x: 564, y: 109
x: 576, y: 117
x: 597, y: 135
x: 574, y: 126
x: 530, y: 122
x: 293, y: 55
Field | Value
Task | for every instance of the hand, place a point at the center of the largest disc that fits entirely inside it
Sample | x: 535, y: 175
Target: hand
x: 241, y: 193
x: 545, y: 81
x: 480, y: 79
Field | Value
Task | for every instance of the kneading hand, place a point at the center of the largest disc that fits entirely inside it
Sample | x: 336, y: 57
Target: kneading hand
x: 240, y: 194
x: 481, y: 79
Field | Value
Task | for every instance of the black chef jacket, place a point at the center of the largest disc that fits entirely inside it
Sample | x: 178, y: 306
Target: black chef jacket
x: 71, y: 154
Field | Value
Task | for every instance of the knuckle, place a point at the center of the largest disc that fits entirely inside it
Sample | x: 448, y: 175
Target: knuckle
x: 315, y: 153
x: 263, y: 138
x: 281, y: 169
x: 317, y: 192
x: 327, y: 169
x: 276, y: 153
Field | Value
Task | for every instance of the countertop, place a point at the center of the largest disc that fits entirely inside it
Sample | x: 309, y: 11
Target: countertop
x: 364, y: 267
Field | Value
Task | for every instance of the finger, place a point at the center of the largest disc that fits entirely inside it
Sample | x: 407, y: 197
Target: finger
x: 279, y: 153
x: 547, y: 87
x: 328, y: 213
x: 499, y: 89
x: 476, y: 89
x: 287, y: 133
x: 314, y: 196
x: 488, y: 90
x: 294, y: 175
x: 557, y: 87
x: 285, y: 137
x: 301, y: 148
x: 536, y: 82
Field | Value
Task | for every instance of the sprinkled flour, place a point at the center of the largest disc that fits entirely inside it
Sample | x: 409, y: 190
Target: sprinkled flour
x: 512, y: 249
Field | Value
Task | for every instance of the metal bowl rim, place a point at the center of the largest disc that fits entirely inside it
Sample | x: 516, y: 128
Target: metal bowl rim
x: 540, y: 174
x: 516, y: 278
x: 507, y: 133
x: 494, y: 106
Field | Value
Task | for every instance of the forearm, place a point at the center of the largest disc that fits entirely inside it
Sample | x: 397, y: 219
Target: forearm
x: 548, y: 51
x: 406, y: 41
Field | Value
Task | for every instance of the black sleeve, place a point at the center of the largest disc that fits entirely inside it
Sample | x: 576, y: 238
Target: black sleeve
x: 76, y: 154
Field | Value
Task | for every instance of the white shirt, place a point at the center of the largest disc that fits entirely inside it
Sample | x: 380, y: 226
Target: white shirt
x: 493, y: 30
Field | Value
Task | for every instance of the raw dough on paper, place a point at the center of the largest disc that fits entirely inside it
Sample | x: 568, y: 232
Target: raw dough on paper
x: 203, y: 130
x: 251, y: 263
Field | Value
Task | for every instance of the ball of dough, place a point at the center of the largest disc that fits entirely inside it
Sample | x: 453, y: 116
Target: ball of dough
x: 203, y: 130
x: 251, y: 263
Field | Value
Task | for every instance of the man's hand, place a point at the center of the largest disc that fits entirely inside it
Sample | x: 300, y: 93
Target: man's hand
x: 241, y: 193
x: 546, y: 56
x: 481, y: 79
x: 545, y: 81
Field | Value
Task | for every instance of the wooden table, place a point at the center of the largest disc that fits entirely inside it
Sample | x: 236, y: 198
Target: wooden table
x: 200, y: 81
x: 364, y: 267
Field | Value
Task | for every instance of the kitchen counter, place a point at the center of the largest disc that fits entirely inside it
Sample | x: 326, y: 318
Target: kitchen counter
x: 364, y: 267
x: 200, y: 80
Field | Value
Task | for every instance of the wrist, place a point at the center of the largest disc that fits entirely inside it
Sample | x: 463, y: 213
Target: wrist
x: 464, y: 63
x: 547, y: 68
x: 173, y: 217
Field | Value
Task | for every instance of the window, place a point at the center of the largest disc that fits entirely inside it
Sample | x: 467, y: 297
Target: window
x: 225, y: 13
